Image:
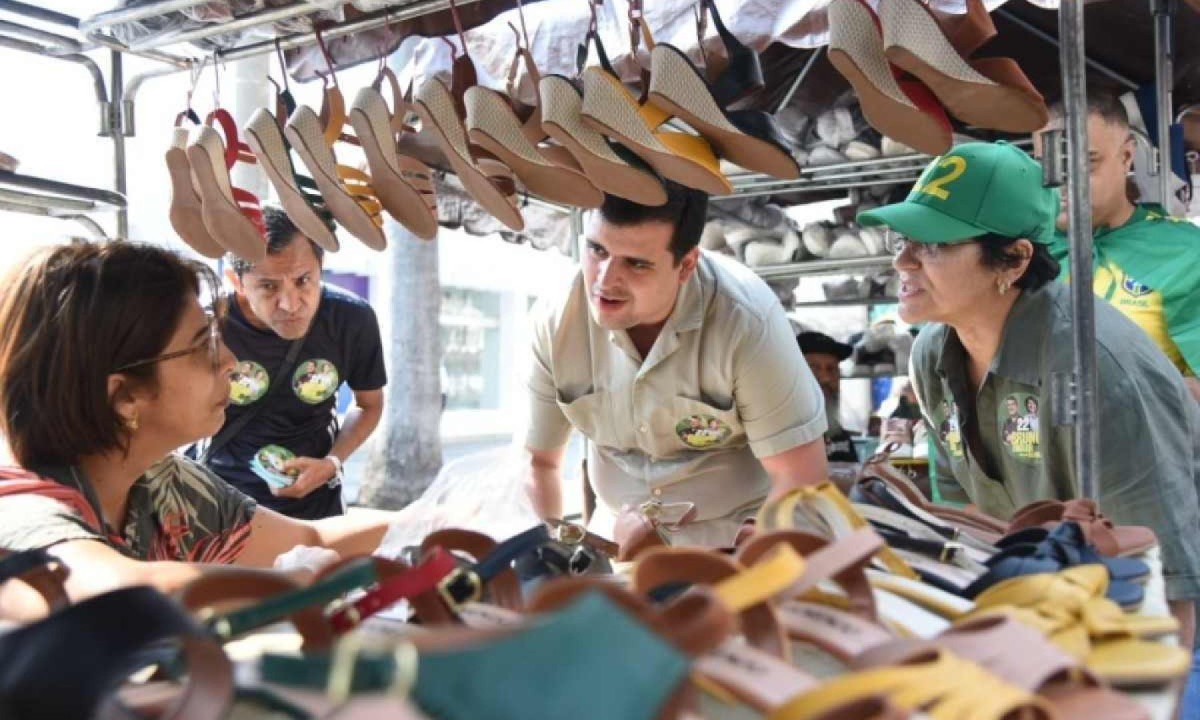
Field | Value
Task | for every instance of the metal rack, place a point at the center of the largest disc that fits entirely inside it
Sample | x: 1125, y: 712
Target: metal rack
x: 116, y: 123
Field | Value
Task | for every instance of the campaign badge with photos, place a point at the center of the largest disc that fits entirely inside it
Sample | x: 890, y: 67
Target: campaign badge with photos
x: 701, y: 432
x: 248, y: 383
x: 315, y: 381
x: 268, y: 464
x: 1020, y: 423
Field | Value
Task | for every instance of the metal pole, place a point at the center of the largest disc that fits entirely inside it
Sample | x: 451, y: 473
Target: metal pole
x: 576, y: 233
x: 1164, y: 52
x: 1071, y: 58
x: 260, y: 17
x: 105, y: 20
x: 118, y: 137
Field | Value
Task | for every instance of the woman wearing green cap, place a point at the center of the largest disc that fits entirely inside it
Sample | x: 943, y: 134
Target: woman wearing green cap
x: 970, y: 244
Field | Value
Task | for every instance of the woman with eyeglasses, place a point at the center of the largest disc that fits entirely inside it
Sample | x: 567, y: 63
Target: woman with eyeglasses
x: 975, y: 269
x: 108, y: 364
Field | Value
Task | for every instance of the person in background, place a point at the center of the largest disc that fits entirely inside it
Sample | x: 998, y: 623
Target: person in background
x: 824, y: 355
x: 306, y: 338
x: 1144, y: 260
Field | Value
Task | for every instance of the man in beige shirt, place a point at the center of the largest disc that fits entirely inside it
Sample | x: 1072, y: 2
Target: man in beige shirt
x: 682, y: 371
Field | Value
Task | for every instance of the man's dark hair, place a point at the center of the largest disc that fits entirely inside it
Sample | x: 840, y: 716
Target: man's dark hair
x: 998, y: 253
x: 685, y: 210
x: 1104, y: 104
x: 281, y: 232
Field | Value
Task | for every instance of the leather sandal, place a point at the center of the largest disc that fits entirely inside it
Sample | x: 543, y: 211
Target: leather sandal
x: 75, y: 663
x: 485, y: 591
x: 403, y: 184
x: 232, y: 216
x: 610, y: 109
x: 989, y: 93
x: 823, y: 509
x: 185, y: 213
x: 932, y: 680
x: 757, y: 672
x: 1022, y: 656
x: 493, y: 124
x: 347, y: 191
x: 298, y: 194
x: 749, y: 138
x: 1111, y: 540
x: 1069, y: 609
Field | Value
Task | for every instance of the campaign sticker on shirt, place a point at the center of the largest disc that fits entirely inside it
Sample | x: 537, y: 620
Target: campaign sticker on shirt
x: 315, y: 381
x: 248, y: 383
x: 268, y: 464
x: 702, y: 431
x: 949, y: 431
x: 1019, y: 425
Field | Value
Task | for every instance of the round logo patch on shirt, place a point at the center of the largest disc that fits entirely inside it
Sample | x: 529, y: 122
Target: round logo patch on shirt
x: 248, y: 383
x: 702, y: 431
x: 315, y: 381
x: 1019, y: 424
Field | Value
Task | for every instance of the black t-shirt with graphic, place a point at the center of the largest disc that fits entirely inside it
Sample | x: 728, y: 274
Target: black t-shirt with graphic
x: 299, y: 418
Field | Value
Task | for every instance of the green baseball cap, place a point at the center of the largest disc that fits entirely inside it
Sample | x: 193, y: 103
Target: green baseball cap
x: 974, y: 189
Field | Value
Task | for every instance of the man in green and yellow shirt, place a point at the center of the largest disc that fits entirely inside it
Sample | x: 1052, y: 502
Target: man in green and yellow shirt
x: 1145, y: 263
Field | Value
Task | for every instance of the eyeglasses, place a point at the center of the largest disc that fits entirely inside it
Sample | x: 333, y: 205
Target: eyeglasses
x: 895, y: 243
x: 211, y: 342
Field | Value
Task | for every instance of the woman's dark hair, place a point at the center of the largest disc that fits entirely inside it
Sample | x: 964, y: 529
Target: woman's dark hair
x: 685, y: 209
x: 998, y: 253
x: 69, y: 316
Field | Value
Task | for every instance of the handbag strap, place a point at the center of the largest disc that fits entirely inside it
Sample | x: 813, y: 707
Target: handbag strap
x: 228, y: 432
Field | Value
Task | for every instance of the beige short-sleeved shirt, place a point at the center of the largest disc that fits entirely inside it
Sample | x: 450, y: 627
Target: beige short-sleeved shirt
x: 724, y: 384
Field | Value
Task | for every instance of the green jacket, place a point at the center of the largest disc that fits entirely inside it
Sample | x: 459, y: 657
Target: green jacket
x: 1149, y: 425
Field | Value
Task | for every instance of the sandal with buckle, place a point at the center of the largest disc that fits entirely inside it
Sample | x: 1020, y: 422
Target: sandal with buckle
x: 185, y: 213
x: 610, y: 109
x: 403, y: 184
x: 1111, y: 540
x: 232, y: 216
x: 749, y: 138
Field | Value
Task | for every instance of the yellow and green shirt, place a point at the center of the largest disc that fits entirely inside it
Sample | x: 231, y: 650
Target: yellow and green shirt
x: 1149, y: 269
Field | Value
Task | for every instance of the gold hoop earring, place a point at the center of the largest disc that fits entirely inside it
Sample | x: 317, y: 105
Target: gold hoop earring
x: 1003, y: 286
x: 132, y: 424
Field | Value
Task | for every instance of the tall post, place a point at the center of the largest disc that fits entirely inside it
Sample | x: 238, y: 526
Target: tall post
x: 116, y: 129
x: 1071, y: 58
x: 1164, y: 53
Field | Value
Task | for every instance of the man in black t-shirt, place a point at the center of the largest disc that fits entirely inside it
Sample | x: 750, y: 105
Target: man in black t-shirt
x: 288, y: 456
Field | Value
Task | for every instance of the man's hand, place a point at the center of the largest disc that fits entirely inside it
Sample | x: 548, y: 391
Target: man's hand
x: 312, y: 474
